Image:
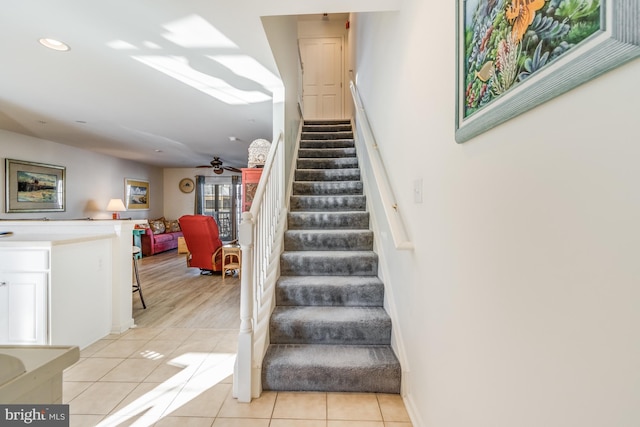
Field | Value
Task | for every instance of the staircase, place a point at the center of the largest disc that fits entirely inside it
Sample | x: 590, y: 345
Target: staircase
x: 329, y: 330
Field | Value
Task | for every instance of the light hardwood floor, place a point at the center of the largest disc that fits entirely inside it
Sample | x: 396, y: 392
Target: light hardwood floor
x: 175, y: 367
x: 179, y: 297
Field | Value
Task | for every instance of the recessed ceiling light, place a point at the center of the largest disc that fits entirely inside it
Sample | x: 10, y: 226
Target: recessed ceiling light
x: 54, y: 44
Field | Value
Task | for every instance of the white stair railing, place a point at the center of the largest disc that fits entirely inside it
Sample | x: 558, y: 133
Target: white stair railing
x: 260, y: 238
x: 391, y: 208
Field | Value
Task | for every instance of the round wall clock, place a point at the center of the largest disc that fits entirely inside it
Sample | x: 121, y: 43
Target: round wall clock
x: 187, y: 185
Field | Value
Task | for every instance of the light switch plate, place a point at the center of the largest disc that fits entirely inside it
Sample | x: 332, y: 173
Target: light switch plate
x: 417, y: 190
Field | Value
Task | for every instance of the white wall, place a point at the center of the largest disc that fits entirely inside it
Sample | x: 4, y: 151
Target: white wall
x: 519, y: 306
x: 282, y: 35
x: 91, y: 178
x: 177, y: 203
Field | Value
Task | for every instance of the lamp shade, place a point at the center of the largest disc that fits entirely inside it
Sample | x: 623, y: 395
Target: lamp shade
x: 115, y: 206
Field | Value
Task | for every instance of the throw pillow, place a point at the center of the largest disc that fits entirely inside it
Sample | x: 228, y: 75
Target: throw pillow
x: 171, y: 225
x: 157, y: 225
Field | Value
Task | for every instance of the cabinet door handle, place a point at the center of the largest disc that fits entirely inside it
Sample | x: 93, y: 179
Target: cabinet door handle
x: 3, y: 283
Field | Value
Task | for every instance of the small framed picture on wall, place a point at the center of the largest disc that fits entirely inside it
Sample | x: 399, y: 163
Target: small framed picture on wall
x: 136, y: 192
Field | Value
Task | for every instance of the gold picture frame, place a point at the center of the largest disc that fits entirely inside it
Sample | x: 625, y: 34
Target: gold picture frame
x: 136, y: 194
x: 34, y: 187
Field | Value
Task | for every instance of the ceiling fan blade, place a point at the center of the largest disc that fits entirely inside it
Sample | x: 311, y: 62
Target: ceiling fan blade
x: 217, y: 165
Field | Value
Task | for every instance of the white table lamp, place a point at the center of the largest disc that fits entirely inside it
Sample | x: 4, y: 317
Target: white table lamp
x: 116, y: 206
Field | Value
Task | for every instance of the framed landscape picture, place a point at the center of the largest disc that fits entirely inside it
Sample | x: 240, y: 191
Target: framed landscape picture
x: 136, y: 194
x: 513, y: 55
x: 34, y: 187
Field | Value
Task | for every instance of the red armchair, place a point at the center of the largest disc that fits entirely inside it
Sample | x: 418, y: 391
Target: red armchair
x: 203, y: 242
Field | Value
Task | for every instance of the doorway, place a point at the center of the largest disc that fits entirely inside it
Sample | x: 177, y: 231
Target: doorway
x: 220, y: 198
x: 322, y: 75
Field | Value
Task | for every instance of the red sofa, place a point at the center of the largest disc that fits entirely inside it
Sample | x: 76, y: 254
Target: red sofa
x: 159, y: 238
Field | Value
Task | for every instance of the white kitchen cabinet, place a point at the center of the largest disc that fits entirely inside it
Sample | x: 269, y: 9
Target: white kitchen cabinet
x: 23, y: 296
x: 56, y: 291
x: 23, y: 309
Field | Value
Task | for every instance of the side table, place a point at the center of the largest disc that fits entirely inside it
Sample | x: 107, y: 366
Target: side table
x: 231, y: 259
x: 137, y: 241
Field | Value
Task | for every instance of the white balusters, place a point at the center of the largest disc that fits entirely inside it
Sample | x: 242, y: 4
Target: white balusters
x: 260, y: 238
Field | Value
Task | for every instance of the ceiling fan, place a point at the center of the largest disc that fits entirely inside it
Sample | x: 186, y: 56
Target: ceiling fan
x: 216, y: 164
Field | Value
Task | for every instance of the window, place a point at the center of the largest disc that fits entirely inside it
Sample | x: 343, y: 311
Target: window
x: 220, y: 197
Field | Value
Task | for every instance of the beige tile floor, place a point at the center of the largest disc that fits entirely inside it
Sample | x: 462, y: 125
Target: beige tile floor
x: 182, y: 376
x: 175, y: 368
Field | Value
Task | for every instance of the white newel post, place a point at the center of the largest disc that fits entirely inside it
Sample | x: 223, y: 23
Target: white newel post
x: 242, y: 379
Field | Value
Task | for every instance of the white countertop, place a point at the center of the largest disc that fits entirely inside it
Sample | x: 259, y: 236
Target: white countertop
x: 26, y: 239
x: 40, y: 362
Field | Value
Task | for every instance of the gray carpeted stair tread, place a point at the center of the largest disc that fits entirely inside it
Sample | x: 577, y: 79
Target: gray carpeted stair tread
x: 328, y: 163
x: 330, y: 143
x: 328, y: 240
x: 327, y: 127
x: 328, y: 220
x: 351, y: 174
x: 332, y: 263
x: 329, y: 122
x: 326, y: 152
x: 347, y: 291
x: 327, y: 135
x: 330, y: 325
x: 328, y: 203
x: 331, y: 368
x: 319, y: 188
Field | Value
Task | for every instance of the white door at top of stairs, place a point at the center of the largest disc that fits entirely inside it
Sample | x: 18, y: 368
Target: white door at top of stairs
x: 322, y: 76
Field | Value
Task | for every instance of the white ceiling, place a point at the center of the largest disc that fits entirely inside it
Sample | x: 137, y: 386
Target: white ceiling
x: 102, y: 95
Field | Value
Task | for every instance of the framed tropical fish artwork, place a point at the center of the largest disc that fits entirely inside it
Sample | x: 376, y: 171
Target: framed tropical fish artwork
x: 513, y: 55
